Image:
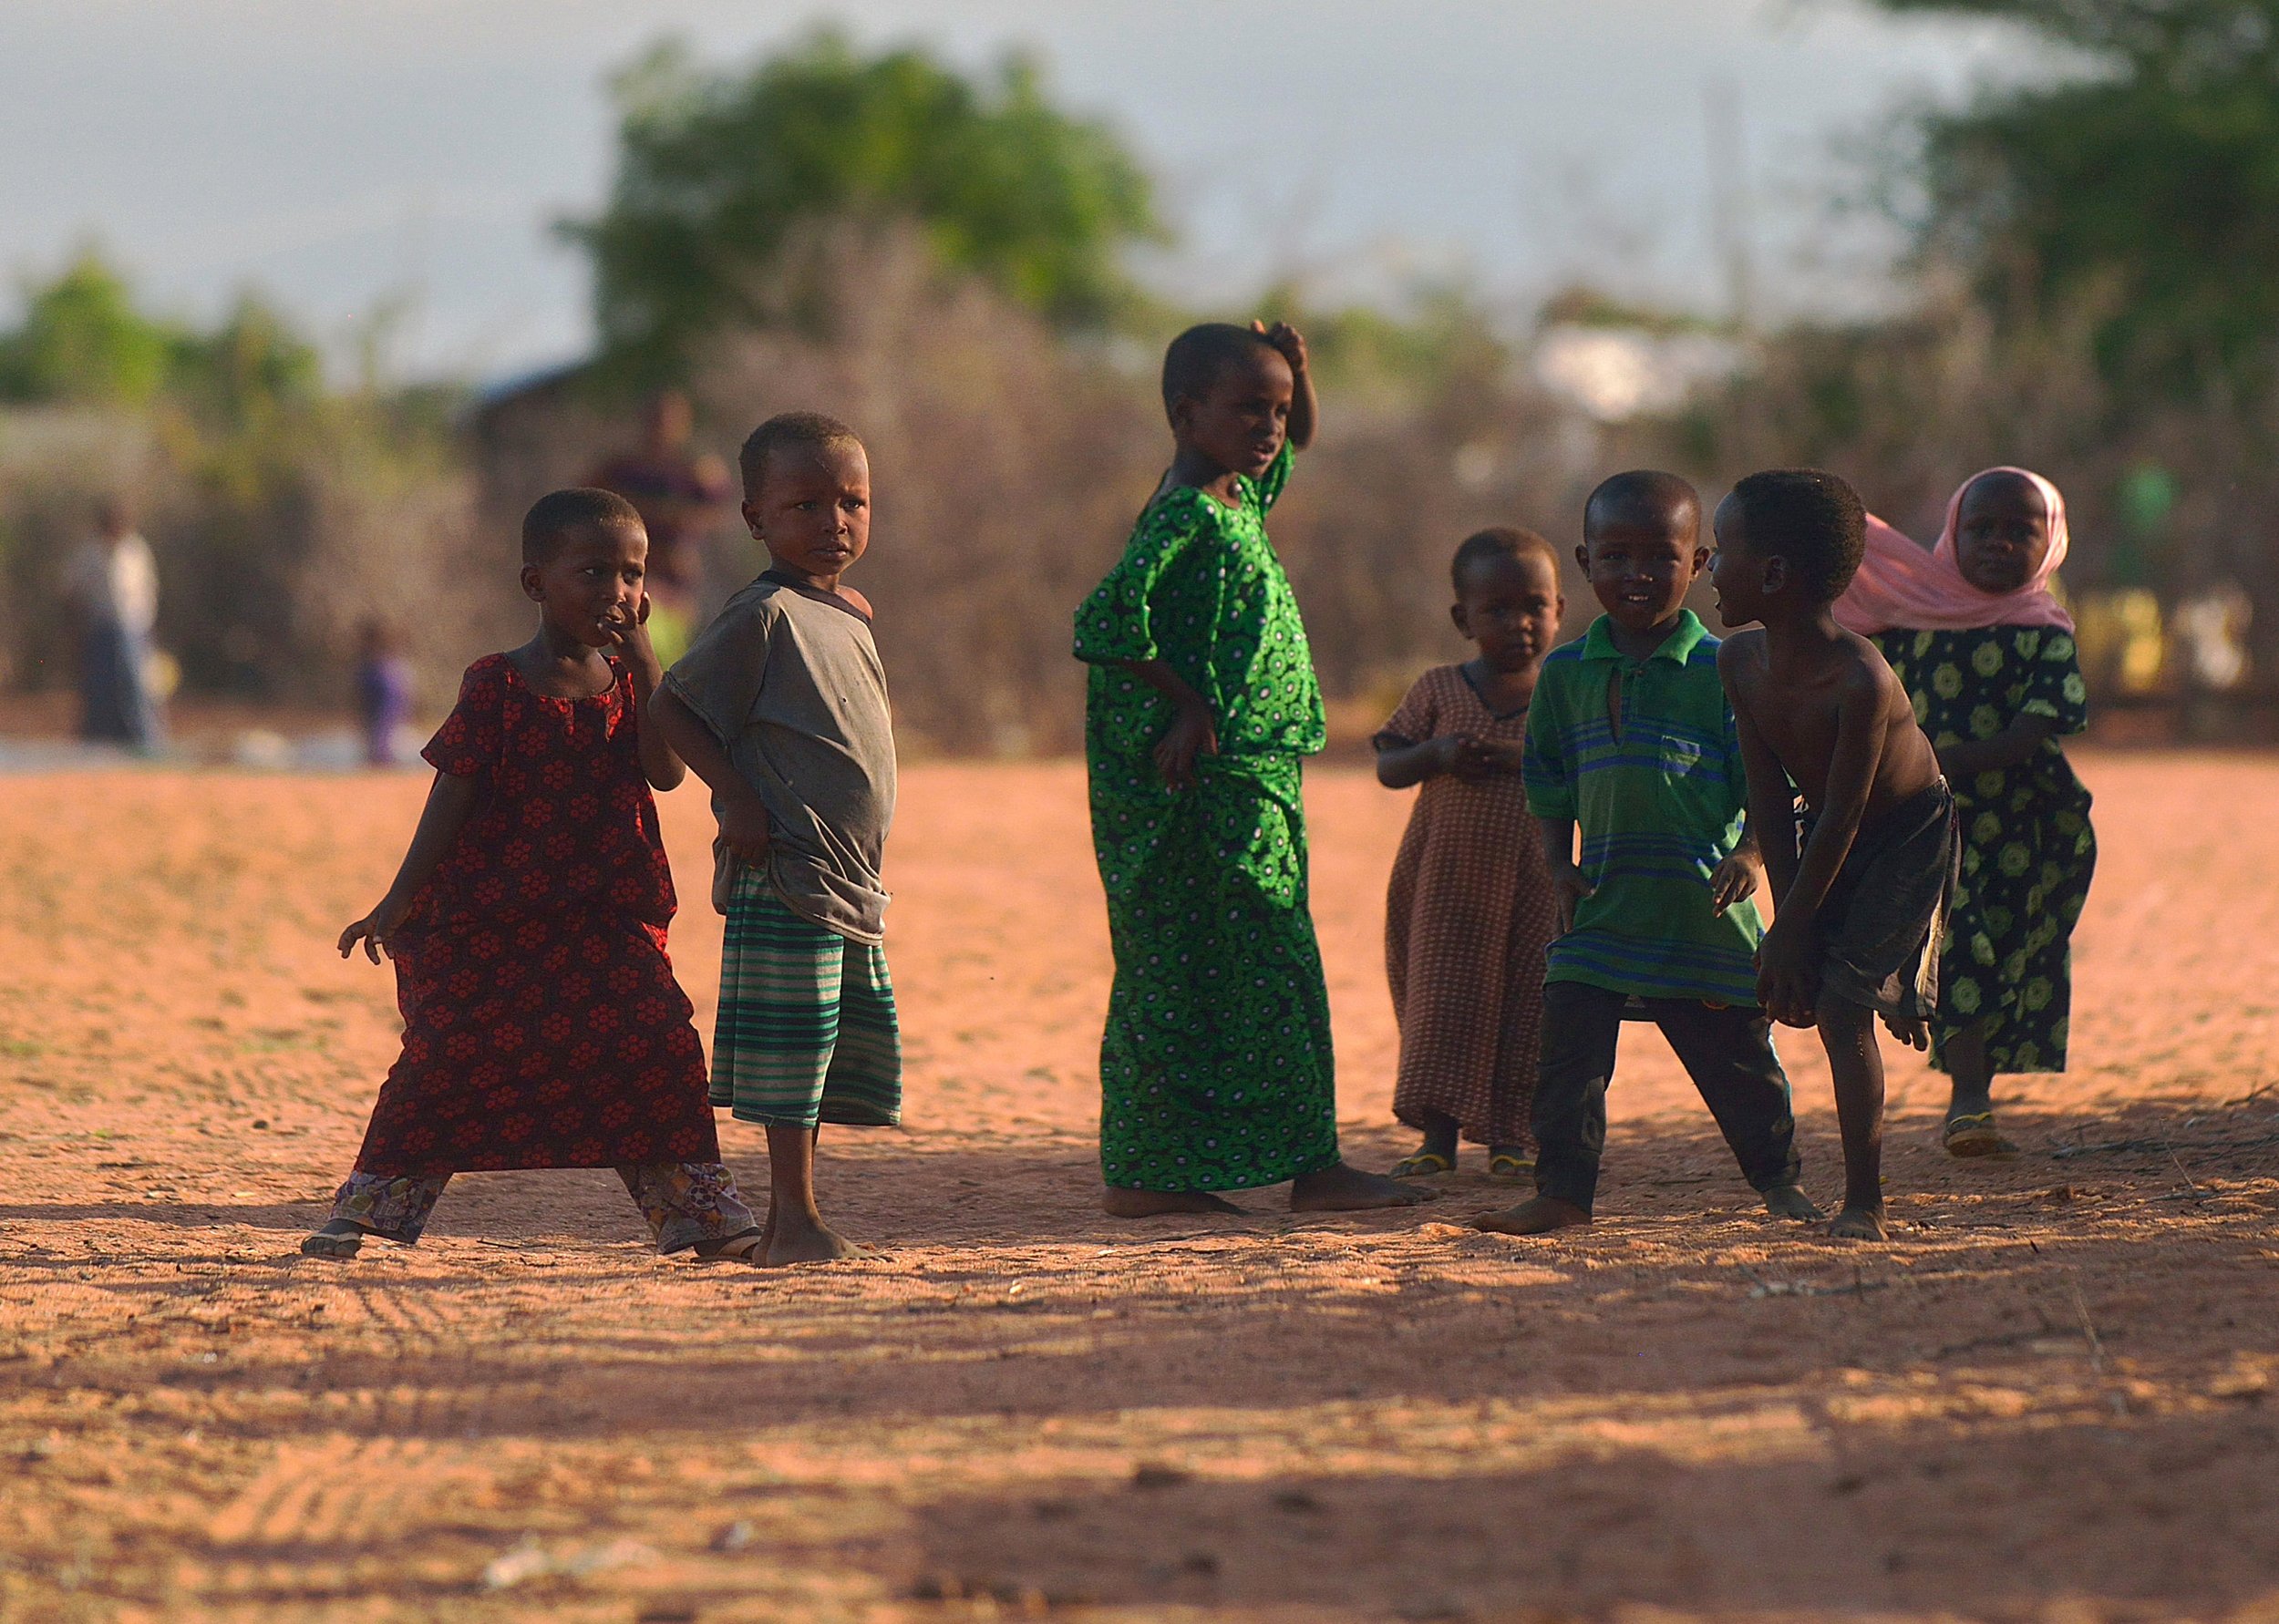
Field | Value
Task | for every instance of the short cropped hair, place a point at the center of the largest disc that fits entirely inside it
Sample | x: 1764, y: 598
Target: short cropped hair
x: 1194, y: 360
x: 558, y: 514
x: 1642, y: 496
x: 784, y: 432
x: 1498, y: 541
x: 1810, y: 517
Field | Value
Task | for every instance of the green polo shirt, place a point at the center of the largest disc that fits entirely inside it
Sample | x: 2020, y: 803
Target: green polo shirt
x: 1660, y: 797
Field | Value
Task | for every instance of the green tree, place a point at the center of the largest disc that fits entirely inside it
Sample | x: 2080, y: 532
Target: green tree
x: 2139, y: 182
x: 717, y: 171
x: 82, y: 341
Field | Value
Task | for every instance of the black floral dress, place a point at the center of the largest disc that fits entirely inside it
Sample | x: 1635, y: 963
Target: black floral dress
x: 2028, y: 850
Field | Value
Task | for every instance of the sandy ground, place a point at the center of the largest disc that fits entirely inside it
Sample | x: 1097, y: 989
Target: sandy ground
x: 2054, y: 1395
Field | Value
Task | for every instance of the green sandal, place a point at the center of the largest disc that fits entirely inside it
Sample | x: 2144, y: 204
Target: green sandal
x: 1973, y: 1134
x: 1425, y: 1164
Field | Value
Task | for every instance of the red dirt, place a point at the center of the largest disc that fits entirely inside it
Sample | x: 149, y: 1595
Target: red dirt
x: 2053, y: 1396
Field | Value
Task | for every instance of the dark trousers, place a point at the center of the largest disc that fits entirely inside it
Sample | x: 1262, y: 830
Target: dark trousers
x: 1727, y: 1052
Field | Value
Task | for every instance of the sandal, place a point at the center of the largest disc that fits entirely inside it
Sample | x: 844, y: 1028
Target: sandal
x: 746, y: 1247
x: 1509, y: 1164
x: 339, y: 1239
x: 1425, y: 1164
x: 1973, y: 1134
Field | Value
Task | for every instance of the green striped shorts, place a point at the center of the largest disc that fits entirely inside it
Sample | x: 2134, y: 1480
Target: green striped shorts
x: 807, y: 1030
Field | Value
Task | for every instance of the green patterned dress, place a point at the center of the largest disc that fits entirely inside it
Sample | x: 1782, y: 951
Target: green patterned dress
x: 2027, y: 847
x: 1215, y: 1070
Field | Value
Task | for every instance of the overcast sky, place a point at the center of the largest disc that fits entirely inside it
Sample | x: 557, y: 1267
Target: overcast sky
x: 342, y: 153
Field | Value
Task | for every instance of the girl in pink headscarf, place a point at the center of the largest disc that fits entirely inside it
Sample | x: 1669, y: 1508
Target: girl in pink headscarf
x: 1986, y: 650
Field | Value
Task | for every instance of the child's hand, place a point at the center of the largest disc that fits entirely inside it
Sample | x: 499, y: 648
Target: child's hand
x: 744, y: 826
x: 1463, y: 754
x: 1734, y: 879
x: 1502, y: 755
x: 1285, y: 338
x: 632, y: 634
x: 1788, y: 982
x: 376, y: 929
x: 1568, y: 888
x: 1193, y: 734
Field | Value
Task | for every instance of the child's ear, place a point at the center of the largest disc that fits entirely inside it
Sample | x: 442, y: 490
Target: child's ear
x: 1459, y: 619
x: 1583, y: 556
x: 533, y: 584
x: 751, y: 518
x: 1775, y: 574
x: 1701, y: 558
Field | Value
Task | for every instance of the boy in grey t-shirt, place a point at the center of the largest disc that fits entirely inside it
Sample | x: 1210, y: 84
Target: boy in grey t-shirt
x: 780, y: 706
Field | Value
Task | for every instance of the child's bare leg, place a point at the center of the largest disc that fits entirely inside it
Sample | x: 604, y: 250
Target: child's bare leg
x: 1341, y: 1189
x: 1133, y: 1204
x: 1970, y: 1126
x: 1848, y: 1034
x: 796, y: 1232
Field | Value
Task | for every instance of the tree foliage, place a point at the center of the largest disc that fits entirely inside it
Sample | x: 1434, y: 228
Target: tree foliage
x: 84, y: 340
x: 2144, y: 188
x: 717, y: 173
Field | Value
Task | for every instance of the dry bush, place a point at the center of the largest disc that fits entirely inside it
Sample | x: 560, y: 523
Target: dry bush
x: 1009, y: 464
x: 274, y: 541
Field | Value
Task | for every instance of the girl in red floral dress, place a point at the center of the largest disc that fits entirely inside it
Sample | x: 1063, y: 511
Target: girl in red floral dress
x: 542, y: 1026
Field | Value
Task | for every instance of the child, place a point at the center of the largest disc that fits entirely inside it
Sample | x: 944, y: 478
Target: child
x: 780, y: 706
x: 1470, y: 911
x: 1215, y: 1069
x: 1629, y: 735
x: 1975, y: 631
x: 383, y: 691
x: 542, y: 1026
x: 1857, y: 915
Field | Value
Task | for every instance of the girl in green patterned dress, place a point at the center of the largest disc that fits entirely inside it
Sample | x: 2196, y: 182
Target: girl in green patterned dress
x: 1215, y: 1070
x: 1986, y: 650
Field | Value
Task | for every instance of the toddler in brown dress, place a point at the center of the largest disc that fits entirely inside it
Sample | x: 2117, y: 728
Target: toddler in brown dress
x: 1470, y: 911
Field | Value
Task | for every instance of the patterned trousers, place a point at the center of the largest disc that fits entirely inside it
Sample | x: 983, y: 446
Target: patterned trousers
x: 808, y: 1031
x: 683, y: 1202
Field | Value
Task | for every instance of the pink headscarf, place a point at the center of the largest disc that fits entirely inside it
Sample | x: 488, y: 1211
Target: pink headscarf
x: 1899, y: 584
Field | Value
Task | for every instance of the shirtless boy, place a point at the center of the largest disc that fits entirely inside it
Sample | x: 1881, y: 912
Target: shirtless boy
x: 1859, y: 905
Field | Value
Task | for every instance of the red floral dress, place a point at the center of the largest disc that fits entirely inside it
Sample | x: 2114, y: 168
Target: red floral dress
x: 542, y: 1026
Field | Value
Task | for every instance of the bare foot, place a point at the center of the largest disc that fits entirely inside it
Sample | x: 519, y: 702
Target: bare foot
x: 1786, y: 1201
x: 808, y: 1240
x: 1348, y: 1189
x: 1859, y: 1223
x: 1123, y: 1203
x: 339, y: 1238
x: 1539, y: 1215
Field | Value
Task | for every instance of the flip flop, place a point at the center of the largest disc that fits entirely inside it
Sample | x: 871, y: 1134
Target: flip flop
x: 1506, y: 1164
x: 736, y: 1249
x: 1425, y: 1164
x: 333, y: 1244
x: 1973, y: 1134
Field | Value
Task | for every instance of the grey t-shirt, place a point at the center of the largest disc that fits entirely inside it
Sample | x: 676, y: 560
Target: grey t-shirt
x: 788, y: 682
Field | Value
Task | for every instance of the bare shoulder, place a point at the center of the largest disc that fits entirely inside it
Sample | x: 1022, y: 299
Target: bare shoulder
x: 857, y: 599
x: 1741, y: 658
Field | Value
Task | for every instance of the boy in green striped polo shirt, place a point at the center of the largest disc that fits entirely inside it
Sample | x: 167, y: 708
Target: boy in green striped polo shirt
x: 1630, y: 740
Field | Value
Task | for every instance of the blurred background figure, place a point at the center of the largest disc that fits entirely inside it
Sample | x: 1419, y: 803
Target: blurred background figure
x: 384, y: 689
x: 112, y: 585
x: 680, y: 497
